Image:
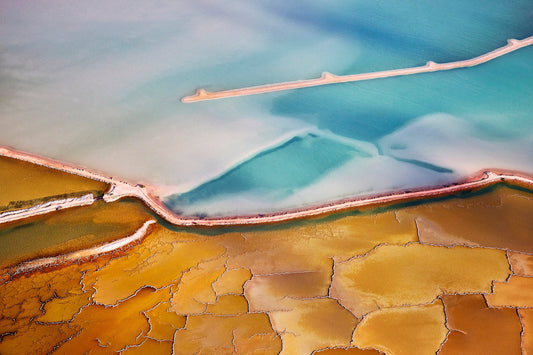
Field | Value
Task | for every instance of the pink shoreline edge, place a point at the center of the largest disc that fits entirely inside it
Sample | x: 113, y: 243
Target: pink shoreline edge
x: 122, y: 188
x: 328, y: 78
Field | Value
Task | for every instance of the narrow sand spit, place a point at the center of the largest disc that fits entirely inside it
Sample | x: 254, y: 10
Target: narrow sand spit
x: 121, y: 188
x: 328, y: 78
x: 51, y: 206
x: 79, y: 255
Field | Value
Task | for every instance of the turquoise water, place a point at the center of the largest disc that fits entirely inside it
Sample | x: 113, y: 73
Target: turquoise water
x: 274, y: 173
x: 99, y: 85
x: 371, y: 109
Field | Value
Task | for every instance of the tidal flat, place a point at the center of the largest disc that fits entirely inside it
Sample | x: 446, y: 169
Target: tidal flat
x: 370, y: 280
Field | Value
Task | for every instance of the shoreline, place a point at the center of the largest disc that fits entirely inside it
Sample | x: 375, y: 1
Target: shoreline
x: 42, y: 263
x: 120, y: 188
x: 328, y: 78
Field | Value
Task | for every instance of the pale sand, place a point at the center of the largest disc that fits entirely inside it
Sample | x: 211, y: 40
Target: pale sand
x: 121, y: 188
x: 328, y: 78
x: 43, y: 208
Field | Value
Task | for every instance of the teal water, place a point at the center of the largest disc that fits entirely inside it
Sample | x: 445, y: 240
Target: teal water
x: 99, y: 85
x: 369, y: 110
x: 274, y: 173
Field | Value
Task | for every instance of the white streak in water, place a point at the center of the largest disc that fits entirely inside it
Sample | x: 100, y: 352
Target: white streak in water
x: 46, y: 207
x: 85, y: 253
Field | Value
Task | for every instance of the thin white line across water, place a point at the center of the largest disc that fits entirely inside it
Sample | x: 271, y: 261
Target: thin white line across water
x: 328, y: 78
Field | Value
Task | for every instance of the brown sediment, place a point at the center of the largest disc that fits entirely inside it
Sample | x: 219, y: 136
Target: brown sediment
x: 274, y: 252
x: 522, y: 264
x: 173, y: 259
x: 121, y: 188
x: 415, y: 274
x: 516, y: 292
x: 478, y: 329
x: 231, y: 282
x: 191, y: 292
x: 478, y: 220
x: 328, y: 78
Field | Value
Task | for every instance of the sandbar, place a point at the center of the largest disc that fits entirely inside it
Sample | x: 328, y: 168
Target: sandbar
x: 121, y: 188
x: 328, y: 78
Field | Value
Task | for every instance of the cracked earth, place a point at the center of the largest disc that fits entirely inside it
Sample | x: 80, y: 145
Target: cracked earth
x: 448, y: 276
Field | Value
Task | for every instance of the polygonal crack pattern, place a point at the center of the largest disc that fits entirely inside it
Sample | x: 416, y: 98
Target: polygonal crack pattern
x: 438, y: 277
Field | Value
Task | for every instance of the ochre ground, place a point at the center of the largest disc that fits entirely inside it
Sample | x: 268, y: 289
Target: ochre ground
x: 23, y: 184
x: 450, y: 276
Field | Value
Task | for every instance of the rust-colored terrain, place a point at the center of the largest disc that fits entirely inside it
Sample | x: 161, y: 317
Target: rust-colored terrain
x: 448, y: 275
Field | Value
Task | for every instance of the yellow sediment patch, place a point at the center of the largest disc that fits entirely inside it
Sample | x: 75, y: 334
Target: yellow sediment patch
x: 99, y: 324
x: 23, y: 184
x: 526, y: 318
x: 27, y: 298
x: 158, y: 262
x: 231, y: 282
x: 405, y: 330
x: 242, y: 334
x: 229, y: 304
x: 289, y: 250
x: 308, y: 325
x: 36, y: 338
x: 348, y: 351
x: 415, y: 274
x: 150, y: 346
x: 195, y: 291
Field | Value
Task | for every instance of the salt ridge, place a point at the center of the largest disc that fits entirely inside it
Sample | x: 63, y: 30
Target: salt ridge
x: 328, y: 78
x: 120, y: 188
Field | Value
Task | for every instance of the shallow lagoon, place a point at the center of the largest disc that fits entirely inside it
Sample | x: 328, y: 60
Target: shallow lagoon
x: 100, y: 87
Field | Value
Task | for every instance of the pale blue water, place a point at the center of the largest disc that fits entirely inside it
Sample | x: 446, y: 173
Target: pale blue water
x: 99, y: 85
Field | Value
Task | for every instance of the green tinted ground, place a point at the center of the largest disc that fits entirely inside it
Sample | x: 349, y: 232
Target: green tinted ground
x: 68, y: 230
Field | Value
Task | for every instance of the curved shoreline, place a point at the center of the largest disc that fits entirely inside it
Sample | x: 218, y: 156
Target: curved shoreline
x: 77, y: 256
x: 121, y: 188
x: 328, y: 78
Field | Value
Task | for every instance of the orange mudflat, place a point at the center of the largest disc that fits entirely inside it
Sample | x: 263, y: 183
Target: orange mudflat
x: 402, y: 279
